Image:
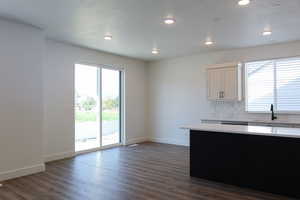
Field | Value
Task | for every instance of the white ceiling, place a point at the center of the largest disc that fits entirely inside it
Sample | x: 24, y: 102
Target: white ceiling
x: 137, y: 26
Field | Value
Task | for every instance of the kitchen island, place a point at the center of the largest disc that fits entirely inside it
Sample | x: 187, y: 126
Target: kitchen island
x: 256, y: 157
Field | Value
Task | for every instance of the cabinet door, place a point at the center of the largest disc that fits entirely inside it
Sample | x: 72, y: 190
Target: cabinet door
x: 230, y: 91
x: 214, y: 83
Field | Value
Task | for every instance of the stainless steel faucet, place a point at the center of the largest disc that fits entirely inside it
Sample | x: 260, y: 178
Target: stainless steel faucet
x: 273, y: 114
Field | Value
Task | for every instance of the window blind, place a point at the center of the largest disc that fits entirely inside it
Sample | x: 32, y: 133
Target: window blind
x: 288, y: 84
x: 260, y: 90
x: 274, y: 82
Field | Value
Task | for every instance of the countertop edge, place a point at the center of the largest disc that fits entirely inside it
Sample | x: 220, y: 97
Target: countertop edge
x: 251, y: 121
x: 271, y: 129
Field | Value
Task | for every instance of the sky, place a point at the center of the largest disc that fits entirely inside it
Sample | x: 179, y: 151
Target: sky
x: 86, y: 82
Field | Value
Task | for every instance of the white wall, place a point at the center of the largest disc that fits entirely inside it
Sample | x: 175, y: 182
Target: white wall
x: 37, y: 97
x: 21, y: 99
x: 177, y: 91
x: 59, y: 96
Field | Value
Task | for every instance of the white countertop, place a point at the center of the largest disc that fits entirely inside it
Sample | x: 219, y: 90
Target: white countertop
x: 254, y: 121
x: 250, y: 130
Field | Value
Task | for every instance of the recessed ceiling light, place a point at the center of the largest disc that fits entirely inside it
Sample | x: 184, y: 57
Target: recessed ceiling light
x: 107, y: 37
x: 209, y: 42
x: 169, y: 20
x: 267, y: 32
x: 243, y: 2
x: 155, y: 51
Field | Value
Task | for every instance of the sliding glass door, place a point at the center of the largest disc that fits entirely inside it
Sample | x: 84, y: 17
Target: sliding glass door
x: 87, y: 105
x: 111, y: 109
x: 97, y: 107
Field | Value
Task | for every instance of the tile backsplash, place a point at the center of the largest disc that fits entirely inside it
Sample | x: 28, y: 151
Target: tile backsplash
x: 236, y: 110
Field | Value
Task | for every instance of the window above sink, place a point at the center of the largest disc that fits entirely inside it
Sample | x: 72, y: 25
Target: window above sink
x: 274, y: 82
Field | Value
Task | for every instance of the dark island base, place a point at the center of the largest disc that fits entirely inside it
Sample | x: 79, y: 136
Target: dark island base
x: 265, y: 163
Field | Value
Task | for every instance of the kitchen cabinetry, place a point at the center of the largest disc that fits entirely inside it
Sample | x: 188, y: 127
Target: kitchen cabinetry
x: 260, y: 162
x: 224, y: 82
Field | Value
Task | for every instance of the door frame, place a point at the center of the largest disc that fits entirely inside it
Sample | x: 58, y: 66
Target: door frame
x: 122, y: 106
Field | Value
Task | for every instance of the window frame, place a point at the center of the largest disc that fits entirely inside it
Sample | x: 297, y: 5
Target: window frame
x: 275, y: 88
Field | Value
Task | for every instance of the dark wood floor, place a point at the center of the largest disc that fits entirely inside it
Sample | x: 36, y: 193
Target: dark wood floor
x: 148, y: 171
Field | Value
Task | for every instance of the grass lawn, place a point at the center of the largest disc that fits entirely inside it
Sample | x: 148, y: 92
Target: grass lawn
x: 82, y: 116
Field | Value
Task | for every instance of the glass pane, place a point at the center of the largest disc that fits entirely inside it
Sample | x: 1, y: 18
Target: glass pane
x: 288, y: 84
x: 260, y: 86
x: 87, y: 112
x: 110, y: 106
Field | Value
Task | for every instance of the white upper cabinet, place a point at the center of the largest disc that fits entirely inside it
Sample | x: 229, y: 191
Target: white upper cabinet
x: 214, y: 83
x: 224, y: 82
